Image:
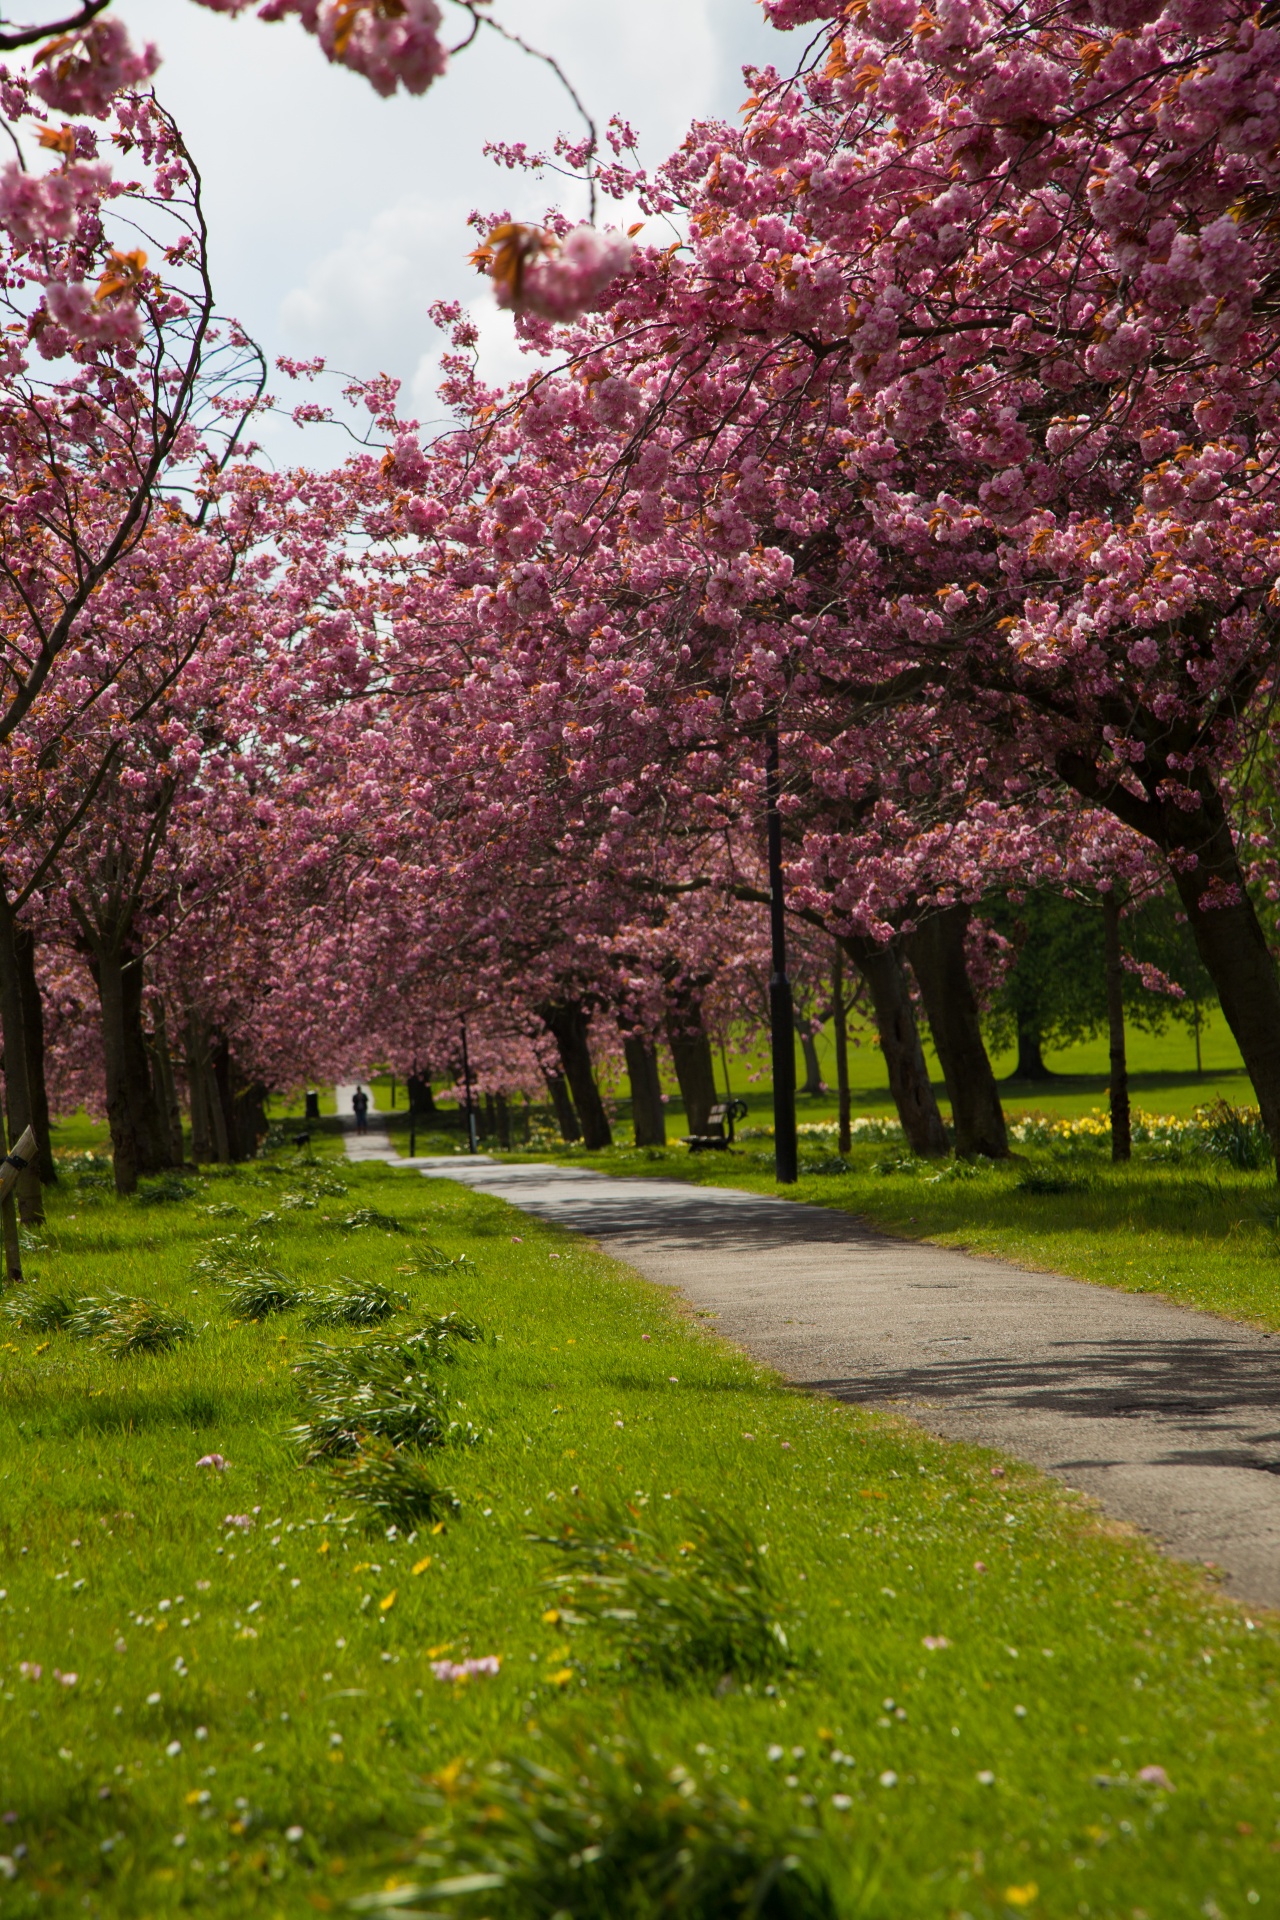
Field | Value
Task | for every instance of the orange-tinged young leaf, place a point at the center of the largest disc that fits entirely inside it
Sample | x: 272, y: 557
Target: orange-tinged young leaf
x: 123, y: 274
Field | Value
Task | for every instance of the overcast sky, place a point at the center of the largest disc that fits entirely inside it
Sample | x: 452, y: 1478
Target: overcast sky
x: 337, y: 217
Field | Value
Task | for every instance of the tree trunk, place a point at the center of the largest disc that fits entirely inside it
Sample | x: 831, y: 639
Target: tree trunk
x: 17, y: 1081
x: 841, y: 1016
x: 691, y: 1057
x: 1228, y: 935
x: 201, y: 1128
x: 168, y: 1122
x: 131, y: 1113
x: 812, y: 1067
x: 567, y: 1022
x: 566, y: 1118
x: 647, y: 1112
x: 1031, y: 1064
x: 33, y: 1025
x: 1115, y: 1024
x: 936, y: 953
x: 882, y: 969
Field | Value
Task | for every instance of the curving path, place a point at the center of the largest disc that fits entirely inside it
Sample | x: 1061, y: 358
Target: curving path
x: 1170, y: 1417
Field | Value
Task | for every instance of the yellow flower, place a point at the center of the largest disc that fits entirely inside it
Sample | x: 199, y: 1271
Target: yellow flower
x: 1022, y: 1896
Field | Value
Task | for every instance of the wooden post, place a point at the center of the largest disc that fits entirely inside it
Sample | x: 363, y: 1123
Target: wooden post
x: 11, y: 1166
x: 840, y: 1010
x: 1115, y: 1020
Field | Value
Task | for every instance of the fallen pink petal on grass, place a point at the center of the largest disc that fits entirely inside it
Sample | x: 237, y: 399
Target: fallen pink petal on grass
x: 1155, y: 1777
x: 464, y: 1669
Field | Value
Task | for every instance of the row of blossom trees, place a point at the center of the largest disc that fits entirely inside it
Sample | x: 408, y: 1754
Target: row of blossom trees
x: 926, y: 426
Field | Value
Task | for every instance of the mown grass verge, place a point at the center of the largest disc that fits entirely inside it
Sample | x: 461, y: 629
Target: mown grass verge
x: 850, y: 1668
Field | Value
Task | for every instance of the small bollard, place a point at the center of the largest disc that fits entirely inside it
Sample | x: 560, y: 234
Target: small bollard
x: 313, y: 1105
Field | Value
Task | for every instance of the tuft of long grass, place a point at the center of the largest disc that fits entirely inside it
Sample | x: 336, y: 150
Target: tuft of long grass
x: 365, y: 1217
x: 328, y: 1370
x: 167, y: 1190
x: 411, y: 1410
x: 258, y: 1294
x: 612, y: 1832
x: 392, y: 1487
x: 707, y: 1607
x: 432, y: 1259
x: 122, y: 1326
x: 360, y: 1303
x: 46, y: 1312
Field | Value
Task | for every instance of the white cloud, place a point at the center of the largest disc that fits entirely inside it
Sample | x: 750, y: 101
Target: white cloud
x: 337, y: 217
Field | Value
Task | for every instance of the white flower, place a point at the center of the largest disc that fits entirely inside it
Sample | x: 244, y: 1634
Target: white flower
x: 174, y: 1748
x: 841, y: 1802
x: 293, y: 1834
x: 888, y: 1778
x: 986, y: 1778
x: 774, y: 1753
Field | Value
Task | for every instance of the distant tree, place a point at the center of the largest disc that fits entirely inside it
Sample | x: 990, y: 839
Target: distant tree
x: 1055, y: 994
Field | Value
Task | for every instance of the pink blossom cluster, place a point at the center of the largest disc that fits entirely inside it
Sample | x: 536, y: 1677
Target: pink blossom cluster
x: 82, y: 71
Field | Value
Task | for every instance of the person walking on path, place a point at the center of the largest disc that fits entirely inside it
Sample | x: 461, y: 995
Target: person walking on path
x: 360, y: 1107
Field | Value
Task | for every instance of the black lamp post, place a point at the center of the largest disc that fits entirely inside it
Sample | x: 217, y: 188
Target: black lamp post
x: 781, y: 1023
x: 473, y: 1145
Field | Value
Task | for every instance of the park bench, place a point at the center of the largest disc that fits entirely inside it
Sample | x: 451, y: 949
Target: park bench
x: 718, y: 1137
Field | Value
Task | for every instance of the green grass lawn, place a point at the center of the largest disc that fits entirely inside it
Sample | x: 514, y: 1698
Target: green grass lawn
x: 240, y: 1715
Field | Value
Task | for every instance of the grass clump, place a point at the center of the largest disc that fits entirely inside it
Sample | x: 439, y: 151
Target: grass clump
x: 366, y: 1217
x: 612, y: 1833
x: 260, y: 1292
x: 432, y: 1259
x: 707, y: 1607
x: 46, y: 1312
x: 394, y: 1488
x: 122, y: 1326
x: 360, y: 1303
x: 166, y: 1190
x: 382, y: 1390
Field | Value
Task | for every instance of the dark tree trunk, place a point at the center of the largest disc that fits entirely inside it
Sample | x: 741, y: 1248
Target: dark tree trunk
x: 647, y: 1112
x: 421, y: 1097
x: 566, y: 1118
x: 202, y: 1138
x: 1120, y: 1146
x: 936, y: 953
x: 882, y: 969
x: 168, y: 1086
x: 241, y: 1102
x: 567, y: 1022
x: 1224, y: 925
x: 1031, y: 1064
x: 16, y: 1076
x: 131, y: 1110
x: 33, y: 1025
x: 841, y: 1015
x: 812, y: 1066
x: 691, y: 1057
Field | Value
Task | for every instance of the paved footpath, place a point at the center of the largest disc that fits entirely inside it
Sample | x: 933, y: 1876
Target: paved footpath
x: 1170, y: 1417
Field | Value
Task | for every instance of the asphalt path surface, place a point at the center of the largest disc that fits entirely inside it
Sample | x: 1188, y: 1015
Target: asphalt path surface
x: 1171, y: 1418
